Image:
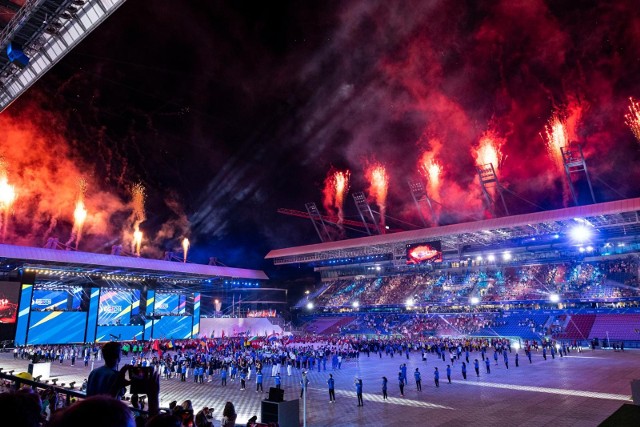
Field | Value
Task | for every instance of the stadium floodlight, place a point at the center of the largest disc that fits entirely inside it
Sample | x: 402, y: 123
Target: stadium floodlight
x: 580, y: 233
x: 506, y: 256
x: 409, y: 302
x: 491, y: 257
x: 516, y: 345
x: 581, y: 249
x: 475, y: 300
x: 554, y: 298
x: 479, y: 258
x: 309, y: 305
x: 378, y: 268
x: 589, y: 248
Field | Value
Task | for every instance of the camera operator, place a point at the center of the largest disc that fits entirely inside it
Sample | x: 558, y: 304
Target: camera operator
x: 203, y: 418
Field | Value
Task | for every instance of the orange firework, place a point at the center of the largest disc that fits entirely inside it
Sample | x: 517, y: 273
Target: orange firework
x: 7, y: 196
x: 79, y: 214
x: 431, y: 170
x: 336, y: 185
x: 137, y: 242
x: 489, y: 150
x: 632, y: 119
x: 341, y: 185
x: 137, y: 200
x: 185, y: 248
x: 378, y: 179
x: 138, y: 216
x: 556, y: 137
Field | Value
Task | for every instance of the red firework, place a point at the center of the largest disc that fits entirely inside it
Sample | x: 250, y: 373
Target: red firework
x: 378, y: 179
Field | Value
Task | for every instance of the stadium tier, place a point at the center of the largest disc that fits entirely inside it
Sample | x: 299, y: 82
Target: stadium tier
x: 530, y: 277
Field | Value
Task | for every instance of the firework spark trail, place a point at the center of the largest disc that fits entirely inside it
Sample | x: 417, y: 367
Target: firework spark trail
x: 336, y: 186
x: 489, y: 150
x: 138, y: 216
x: 7, y: 197
x: 329, y: 192
x: 79, y: 214
x: 431, y: 169
x: 341, y: 186
x: 378, y: 179
x: 556, y: 137
x: 185, y: 248
x: 632, y: 119
x: 137, y: 242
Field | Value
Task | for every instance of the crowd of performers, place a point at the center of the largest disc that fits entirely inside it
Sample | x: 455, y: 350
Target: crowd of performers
x: 229, y: 360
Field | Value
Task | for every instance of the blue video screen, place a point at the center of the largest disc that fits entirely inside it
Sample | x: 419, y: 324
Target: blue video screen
x: 167, y: 304
x: 135, y: 302
x: 56, y: 300
x: 115, y: 307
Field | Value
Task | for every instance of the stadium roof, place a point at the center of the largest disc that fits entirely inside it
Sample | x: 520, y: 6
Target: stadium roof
x: 612, y: 219
x: 91, y: 263
x: 40, y: 33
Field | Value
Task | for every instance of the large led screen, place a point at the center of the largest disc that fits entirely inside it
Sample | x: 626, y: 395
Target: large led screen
x: 166, y: 304
x: 45, y: 299
x: 115, y: 307
x: 9, y: 295
x: 421, y: 253
x: 172, y: 327
x: 57, y: 327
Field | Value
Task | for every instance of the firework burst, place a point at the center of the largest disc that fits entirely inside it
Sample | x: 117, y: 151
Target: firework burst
x: 378, y: 179
x: 632, y: 118
x: 79, y: 214
x: 431, y: 170
x: 336, y: 186
x: 7, y: 197
x: 139, y: 215
x: 555, y: 137
x: 185, y: 248
x: 489, y: 150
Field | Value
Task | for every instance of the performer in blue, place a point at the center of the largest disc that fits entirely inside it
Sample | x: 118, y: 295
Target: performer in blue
x: 223, y: 376
x: 517, y: 360
x: 418, y: 378
x: 384, y: 388
x: 464, y: 370
x: 278, y: 380
x: 359, y: 391
x: 401, y: 383
x: 449, y: 373
x: 403, y: 368
x: 259, y: 381
x: 436, y: 377
x: 304, y: 384
x: 332, y: 389
x: 476, y: 365
x: 488, y: 365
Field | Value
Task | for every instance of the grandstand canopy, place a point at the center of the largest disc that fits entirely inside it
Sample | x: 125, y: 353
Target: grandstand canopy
x: 39, y: 34
x: 609, y: 220
x: 71, y: 267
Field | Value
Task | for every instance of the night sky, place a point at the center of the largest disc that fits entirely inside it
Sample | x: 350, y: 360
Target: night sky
x: 226, y: 111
